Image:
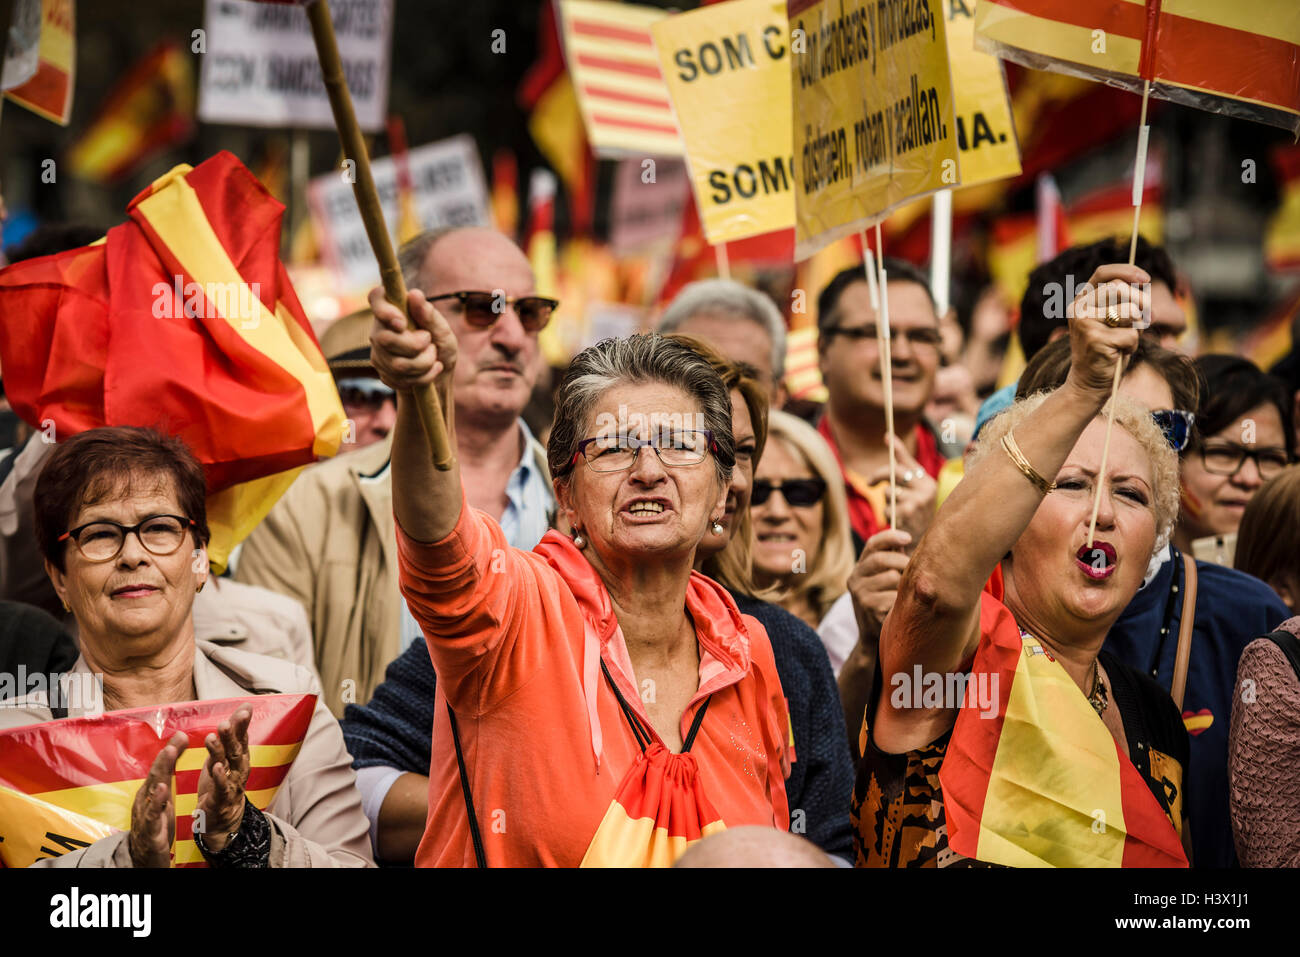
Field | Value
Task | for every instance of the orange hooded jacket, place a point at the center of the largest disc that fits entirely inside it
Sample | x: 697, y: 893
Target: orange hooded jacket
x: 516, y: 639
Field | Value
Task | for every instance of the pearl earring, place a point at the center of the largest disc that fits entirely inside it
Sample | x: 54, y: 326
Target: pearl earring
x: 578, y: 540
x: 717, y: 528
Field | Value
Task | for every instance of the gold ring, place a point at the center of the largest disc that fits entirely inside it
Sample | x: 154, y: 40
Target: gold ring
x: 1112, y: 316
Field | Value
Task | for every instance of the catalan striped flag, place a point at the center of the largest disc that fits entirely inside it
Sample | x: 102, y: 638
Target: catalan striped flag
x: 1242, y: 59
x: 182, y: 319
x: 67, y: 783
x: 1043, y: 783
x: 611, y: 56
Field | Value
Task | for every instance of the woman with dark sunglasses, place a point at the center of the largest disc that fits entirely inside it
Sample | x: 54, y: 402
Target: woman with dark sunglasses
x: 802, y: 541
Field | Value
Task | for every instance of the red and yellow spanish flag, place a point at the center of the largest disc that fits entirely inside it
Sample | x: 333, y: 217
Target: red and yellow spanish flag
x: 1282, y: 239
x: 151, y: 109
x: 1107, y: 212
x: 659, y: 810
x: 1242, y: 59
x: 49, y: 91
x: 1043, y: 783
x: 182, y: 319
x: 65, y: 784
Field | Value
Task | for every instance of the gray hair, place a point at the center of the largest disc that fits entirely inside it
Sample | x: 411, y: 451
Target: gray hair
x: 730, y: 298
x: 641, y: 358
x: 413, y: 253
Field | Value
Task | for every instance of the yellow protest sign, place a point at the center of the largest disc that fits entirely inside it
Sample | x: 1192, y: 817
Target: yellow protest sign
x: 986, y: 134
x: 873, y: 113
x: 49, y: 92
x: 728, y: 72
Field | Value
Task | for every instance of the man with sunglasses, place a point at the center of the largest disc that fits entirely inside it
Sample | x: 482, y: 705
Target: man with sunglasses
x: 331, y: 543
x: 854, y: 421
x: 371, y: 406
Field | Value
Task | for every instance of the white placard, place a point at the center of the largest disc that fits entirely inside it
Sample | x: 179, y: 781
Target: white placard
x: 449, y: 190
x: 259, y: 66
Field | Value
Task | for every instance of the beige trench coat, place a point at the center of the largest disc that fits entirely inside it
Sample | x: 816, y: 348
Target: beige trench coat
x: 316, y: 817
x: 331, y: 543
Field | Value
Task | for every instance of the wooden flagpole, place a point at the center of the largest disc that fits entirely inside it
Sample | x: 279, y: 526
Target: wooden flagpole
x: 1139, y: 175
x: 372, y: 214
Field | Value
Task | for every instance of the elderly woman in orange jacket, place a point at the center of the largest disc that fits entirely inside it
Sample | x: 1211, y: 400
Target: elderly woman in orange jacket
x: 604, y: 704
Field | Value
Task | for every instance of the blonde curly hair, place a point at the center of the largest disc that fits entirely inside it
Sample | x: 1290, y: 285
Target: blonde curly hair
x: 1130, y: 416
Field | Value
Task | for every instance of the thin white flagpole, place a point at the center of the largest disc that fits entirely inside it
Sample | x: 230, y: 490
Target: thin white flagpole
x: 1139, y: 171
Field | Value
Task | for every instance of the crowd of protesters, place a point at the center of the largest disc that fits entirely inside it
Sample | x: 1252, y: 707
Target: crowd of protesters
x: 680, y: 639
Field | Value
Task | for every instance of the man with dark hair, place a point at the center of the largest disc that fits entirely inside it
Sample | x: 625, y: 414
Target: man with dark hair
x: 1053, y: 284
x: 854, y: 422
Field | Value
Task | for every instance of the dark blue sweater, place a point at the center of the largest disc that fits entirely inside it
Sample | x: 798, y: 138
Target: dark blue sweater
x: 395, y: 729
x: 1232, y: 610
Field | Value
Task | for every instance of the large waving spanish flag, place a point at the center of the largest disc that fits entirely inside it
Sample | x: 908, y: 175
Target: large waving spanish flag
x: 65, y: 784
x: 1043, y: 783
x: 1242, y: 59
x: 183, y: 319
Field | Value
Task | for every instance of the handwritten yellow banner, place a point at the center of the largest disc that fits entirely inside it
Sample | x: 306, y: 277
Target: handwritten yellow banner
x: 874, y: 124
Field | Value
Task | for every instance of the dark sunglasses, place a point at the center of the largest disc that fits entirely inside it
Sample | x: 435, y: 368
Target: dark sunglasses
x: 368, y: 394
x: 800, y: 493
x: 1176, y: 425
x: 483, y: 309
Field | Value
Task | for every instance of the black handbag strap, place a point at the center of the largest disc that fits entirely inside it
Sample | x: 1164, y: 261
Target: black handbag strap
x: 643, y: 739
x: 643, y: 736
x: 474, y: 833
x: 1290, y: 647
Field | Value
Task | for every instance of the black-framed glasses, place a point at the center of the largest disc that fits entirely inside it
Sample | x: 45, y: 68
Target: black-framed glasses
x: 799, y: 493
x: 617, y: 453
x: 1227, y: 458
x: 483, y: 309
x: 924, y: 337
x: 1176, y: 424
x: 368, y: 394
x: 102, y: 541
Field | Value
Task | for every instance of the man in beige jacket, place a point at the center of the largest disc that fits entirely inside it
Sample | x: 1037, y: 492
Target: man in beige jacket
x: 330, y: 541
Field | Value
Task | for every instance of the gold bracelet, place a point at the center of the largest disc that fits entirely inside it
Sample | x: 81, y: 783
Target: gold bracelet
x: 1022, y: 463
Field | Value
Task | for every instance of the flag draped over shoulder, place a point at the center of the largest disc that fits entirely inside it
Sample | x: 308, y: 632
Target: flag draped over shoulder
x: 65, y: 784
x: 182, y: 319
x: 1043, y: 783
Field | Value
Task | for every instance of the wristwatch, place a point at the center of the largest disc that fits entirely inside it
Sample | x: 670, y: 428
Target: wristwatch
x: 250, y: 846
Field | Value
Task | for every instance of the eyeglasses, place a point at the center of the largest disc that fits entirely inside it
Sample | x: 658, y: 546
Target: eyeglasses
x: 800, y: 493
x: 1227, y: 459
x: 483, y: 309
x: 102, y: 541
x: 616, y: 453
x: 369, y: 394
x: 926, y: 337
x: 1176, y: 424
